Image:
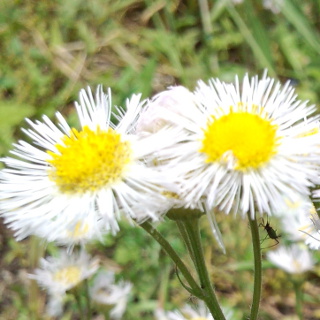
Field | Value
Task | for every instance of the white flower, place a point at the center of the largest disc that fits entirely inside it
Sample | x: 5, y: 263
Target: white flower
x: 311, y: 230
x: 199, y: 312
x: 300, y: 221
x: 59, y: 274
x: 295, y: 217
x: 273, y: 5
x: 165, y: 108
x: 105, y: 291
x: 76, y: 233
x: 70, y: 185
x: 186, y: 313
x: 247, y: 148
x: 294, y: 259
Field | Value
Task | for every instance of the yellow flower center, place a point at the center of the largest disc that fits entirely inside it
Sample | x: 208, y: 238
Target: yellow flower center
x: 243, y: 139
x: 68, y: 276
x: 89, y: 160
x: 79, y: 231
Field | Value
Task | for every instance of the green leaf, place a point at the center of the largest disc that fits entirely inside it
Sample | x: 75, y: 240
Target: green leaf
x: 301, y: 23
x: 262, y: 58
x: 11, y: 114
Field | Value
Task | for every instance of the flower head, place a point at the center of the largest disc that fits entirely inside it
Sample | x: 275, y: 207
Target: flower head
x: 165, y: 108
x: 199, y: 312
x: 107, y: 292
x: 275, y: 6
x: 72, y: 184
x: 295, y: 217
x: 312, y: 233
x: 248, y: 148
x: 294, y: 259
x: 59, y: 274
x: 311, y: 229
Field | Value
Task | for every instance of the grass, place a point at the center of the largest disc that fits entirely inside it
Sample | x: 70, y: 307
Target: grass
x: 51, y: 49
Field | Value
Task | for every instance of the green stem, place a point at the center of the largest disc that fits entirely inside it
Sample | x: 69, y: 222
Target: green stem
x: 205, y: 18
x: 299, y: 298
x: 185, y: 237
x: 77, y: 297
x: 257, y: 268
x: 196, y: 290
x: 88, y: 300
x: 195, y: 246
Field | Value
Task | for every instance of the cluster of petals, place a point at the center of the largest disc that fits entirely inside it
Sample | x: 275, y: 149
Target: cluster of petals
x: 59, y: 274
x: 188, y: 312
x: 221, y: 183
x: 293, y: 259
x: 174, y: 151
x: 106, y: 291
x: 33, y: 203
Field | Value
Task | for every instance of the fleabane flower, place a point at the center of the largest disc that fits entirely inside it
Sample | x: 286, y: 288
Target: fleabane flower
x: 59, y: 274
x: 165, y: 109
x: 295, y: 217
x: 83, y: 231
x: 197, y: 312
x: 275, y: 6
x: 106, y: 291
x: 294, y: 259
x: 248, y: 147
x: 71, y: 184
x: 311, y: 230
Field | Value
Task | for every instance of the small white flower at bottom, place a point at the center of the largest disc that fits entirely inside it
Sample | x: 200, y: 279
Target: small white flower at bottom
x: 105, y: 291
x: 294, y: 259
x: 59, y: 274
x: 199, y: 312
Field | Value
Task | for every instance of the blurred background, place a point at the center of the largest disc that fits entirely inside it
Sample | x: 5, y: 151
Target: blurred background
x: 51, y: 49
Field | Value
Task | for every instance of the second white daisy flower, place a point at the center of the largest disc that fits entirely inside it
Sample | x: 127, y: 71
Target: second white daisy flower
x: 247, y: 149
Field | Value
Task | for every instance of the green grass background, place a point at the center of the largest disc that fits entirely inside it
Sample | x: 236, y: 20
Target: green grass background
x: 51, y: 49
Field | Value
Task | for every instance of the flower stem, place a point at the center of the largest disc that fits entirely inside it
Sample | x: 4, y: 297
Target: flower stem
x: 193, y: 240
x: 88, y: 300
x: 185, y: 237
x: 196, y: 290
x: 299, y: 297
x: 77, y: 296
x: 257, y: 268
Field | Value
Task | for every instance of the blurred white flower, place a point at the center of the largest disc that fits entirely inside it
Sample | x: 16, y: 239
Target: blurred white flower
x: 105, y: 291
x: 312, y: 232
x: 294, y: 259
x: 198, y: 312
x: 165, y: 108
x: 295, y: 217
x: 80, y: 232
x: 273, y: 5
x: 59, y: 274
x: 236, y: 1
